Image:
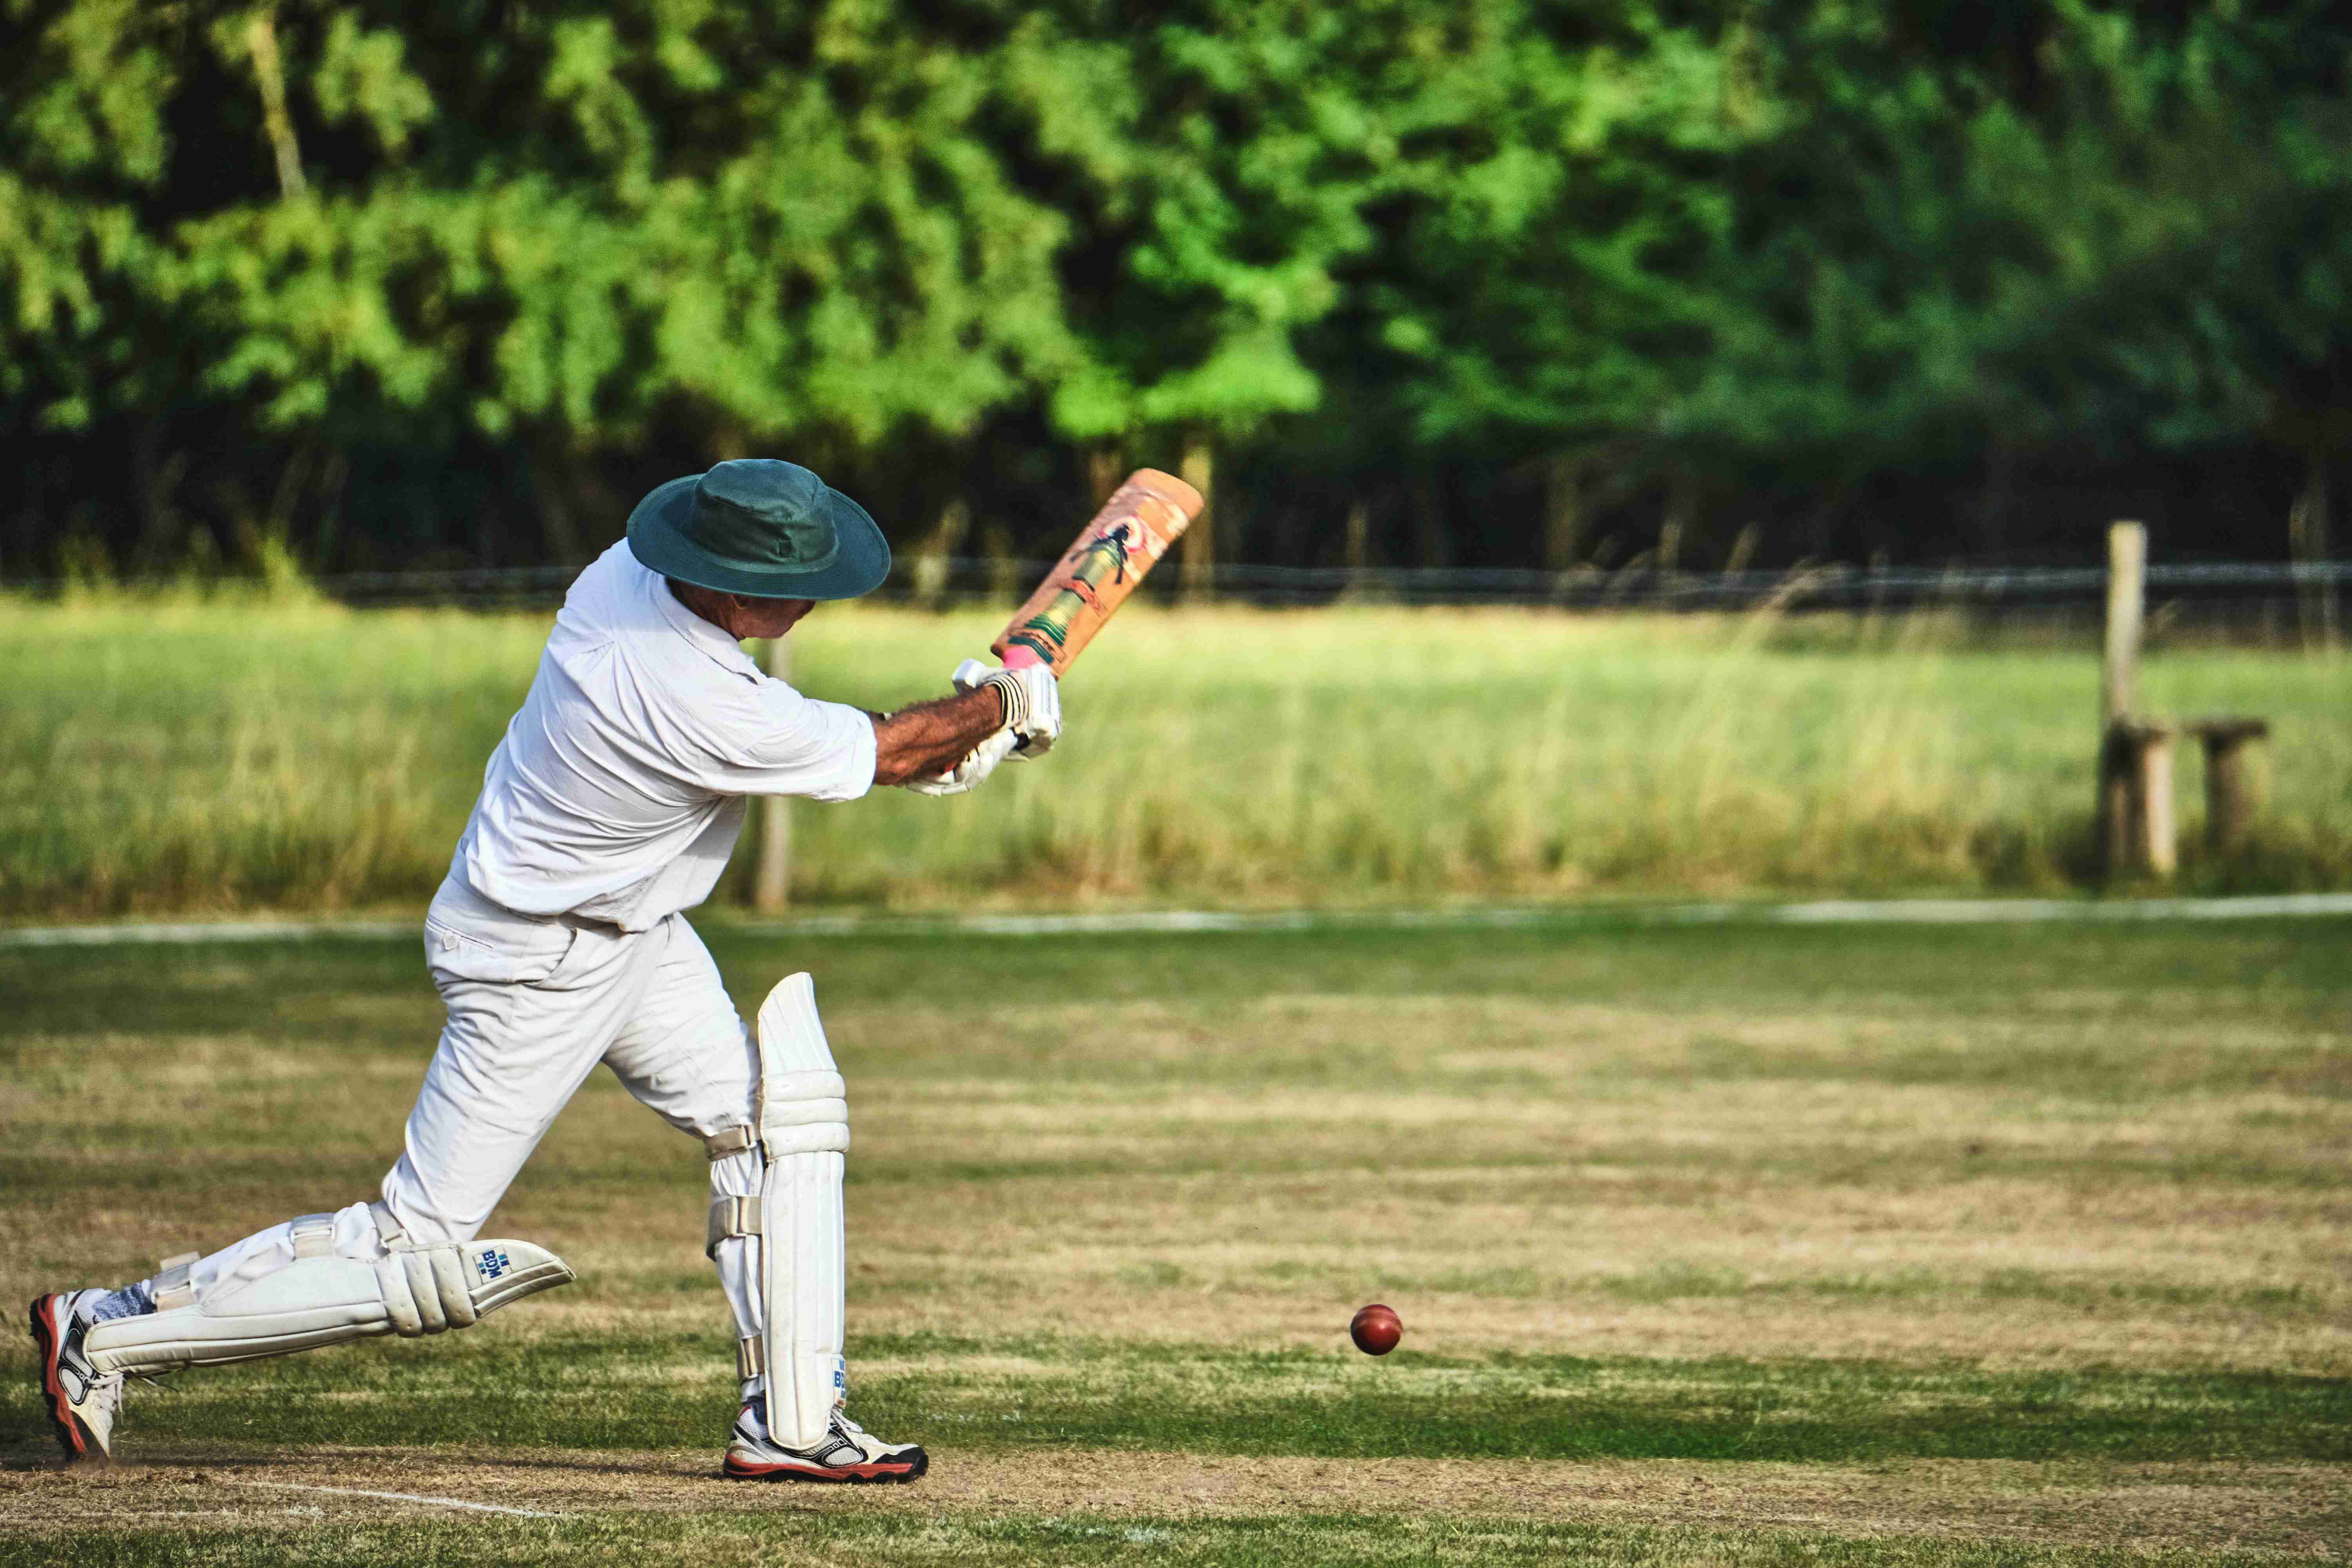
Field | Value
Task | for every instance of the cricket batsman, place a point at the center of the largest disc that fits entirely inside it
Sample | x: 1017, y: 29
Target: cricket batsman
x: 559, y: 941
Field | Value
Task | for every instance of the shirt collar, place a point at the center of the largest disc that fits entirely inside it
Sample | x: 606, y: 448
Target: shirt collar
x: 706, y: 637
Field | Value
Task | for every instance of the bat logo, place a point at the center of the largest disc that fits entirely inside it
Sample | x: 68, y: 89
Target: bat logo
x: 1102, y: 558
x: 1110, y: 548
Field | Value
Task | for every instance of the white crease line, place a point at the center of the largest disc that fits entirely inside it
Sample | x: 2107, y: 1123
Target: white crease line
x: 404, y: 1497
x: 1165, y: 922
x: 205, y: 930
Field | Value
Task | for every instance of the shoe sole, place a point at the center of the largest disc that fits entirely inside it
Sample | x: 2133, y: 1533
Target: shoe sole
x: 49, y: 1338
x: 890, y: 1472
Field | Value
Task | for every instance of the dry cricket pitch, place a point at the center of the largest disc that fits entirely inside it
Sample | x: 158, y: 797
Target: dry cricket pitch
x: 1728, y: 1245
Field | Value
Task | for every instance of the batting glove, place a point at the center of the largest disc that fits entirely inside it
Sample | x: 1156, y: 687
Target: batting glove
x: 968, y: 773
x: 1033, y: 702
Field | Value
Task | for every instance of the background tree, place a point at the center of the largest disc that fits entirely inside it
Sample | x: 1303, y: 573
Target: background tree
x: 1501, y: 282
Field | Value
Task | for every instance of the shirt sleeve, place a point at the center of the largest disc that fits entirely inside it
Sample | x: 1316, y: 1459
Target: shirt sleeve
x: 790, y: 744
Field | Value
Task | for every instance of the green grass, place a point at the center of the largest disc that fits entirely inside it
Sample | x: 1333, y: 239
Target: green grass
x: 1085, y: 1394
x: 1749, y: 1245
x: 178, y: 755
x: 1287, y: 1540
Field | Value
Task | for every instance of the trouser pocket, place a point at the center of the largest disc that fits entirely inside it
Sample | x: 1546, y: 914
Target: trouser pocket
x: 467, y: 937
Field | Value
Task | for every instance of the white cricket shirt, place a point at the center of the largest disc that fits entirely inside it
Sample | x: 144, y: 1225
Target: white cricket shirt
x: 618, y: 792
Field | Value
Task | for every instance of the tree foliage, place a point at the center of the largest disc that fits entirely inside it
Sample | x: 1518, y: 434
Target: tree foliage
x: 382, y: 278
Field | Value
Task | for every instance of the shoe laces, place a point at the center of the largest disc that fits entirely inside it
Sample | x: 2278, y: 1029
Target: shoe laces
x: 841, y: 1430
x: 856, y: 1436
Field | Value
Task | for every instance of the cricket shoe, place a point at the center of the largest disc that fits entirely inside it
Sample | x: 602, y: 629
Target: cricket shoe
x: 847, y: 1455
x: 83, y: 1402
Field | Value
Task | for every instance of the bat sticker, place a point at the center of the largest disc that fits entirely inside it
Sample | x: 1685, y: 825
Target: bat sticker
x: 1102, y: 558
x: 1102, y: 566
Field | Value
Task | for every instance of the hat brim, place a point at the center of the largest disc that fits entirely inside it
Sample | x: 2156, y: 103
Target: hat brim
x: 657, y: 540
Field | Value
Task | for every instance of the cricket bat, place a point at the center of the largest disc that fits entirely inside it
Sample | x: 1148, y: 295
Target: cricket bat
x: 1099, y: 570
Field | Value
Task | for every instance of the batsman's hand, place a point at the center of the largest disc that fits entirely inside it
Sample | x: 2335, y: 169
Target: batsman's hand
x: 968, y: 773
x: 1033, y: 702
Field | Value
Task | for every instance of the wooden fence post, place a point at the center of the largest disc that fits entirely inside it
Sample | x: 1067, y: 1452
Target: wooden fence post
x: 772, y: 887
x: 2118, y: 673
x: 2126, y: 593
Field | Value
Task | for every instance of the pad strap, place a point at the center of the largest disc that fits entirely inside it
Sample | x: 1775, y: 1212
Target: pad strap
x: 732, y: 1217
x: 750, y: 1362
x: 809, y: 1117
x: 732, y: 1140
x: 387, y: 1228
x: 313, y: 1235
x: 173, y: 1286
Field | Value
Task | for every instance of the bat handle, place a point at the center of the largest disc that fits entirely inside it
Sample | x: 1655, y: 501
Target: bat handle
x: 1019, y: 657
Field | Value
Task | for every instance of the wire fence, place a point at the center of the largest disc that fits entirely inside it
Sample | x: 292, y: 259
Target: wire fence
x: 2216, y: 587
x: 2267, y: 600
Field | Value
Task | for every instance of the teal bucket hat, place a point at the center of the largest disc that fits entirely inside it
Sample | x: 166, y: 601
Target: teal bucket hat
x: 757, y: 526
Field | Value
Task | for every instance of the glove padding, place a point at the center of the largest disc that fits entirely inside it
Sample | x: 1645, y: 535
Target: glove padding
x: 1033, y: 702
x: 968, y: 773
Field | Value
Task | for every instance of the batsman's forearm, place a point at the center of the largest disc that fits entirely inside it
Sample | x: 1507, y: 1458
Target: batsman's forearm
x: 932, y: 737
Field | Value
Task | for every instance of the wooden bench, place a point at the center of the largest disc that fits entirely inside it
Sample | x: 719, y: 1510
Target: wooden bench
x: 2136, y: 828
x: 2135, y: 788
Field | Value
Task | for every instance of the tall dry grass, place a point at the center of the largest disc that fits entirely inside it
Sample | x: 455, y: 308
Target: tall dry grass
x: 188, y: 754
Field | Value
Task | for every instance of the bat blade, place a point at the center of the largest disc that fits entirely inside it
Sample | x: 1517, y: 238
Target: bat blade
x: 1100, y: 569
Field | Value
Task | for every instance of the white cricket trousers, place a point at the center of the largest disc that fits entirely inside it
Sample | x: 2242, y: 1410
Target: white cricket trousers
x: 533, y: 1005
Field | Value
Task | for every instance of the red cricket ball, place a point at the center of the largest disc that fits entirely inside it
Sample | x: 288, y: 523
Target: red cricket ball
x: 1376, y: 1328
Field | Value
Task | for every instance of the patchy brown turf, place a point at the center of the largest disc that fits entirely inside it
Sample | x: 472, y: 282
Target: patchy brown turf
x: 2283, y: 1507
x: 1902, y: 1180
x: 1515, y: 1175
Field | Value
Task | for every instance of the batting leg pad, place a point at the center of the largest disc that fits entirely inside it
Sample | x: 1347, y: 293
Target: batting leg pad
x: 804, y: 1133
x: 322, y: 1298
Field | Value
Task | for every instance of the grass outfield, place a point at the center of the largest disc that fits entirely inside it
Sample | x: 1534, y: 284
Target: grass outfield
x: 1938, y: 1245
x: 180, y: 755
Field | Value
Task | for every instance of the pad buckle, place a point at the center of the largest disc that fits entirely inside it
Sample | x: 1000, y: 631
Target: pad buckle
x: 174, y: 1288
x: 732, y: 1217
x: 732, y: 1140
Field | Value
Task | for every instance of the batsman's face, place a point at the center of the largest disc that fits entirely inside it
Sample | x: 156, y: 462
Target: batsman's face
x: 742, y: 614
x: 766, y: 618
